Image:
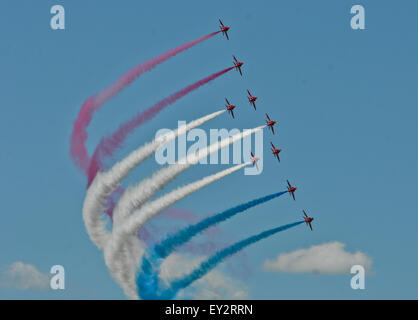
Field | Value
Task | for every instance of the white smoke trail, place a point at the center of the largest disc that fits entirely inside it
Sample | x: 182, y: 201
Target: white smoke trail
x: 150, y: 209
x: 121, y: 259
x: 104, y: 183
x: 135, y: 197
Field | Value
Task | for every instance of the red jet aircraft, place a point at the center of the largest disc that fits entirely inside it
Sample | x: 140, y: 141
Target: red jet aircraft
x: 238, y: 65
x: 230, y: 108
x: 270, y: 123
x: 224, y: 29
x: 252, y: 99
x: 291, y: 189
x: 254, y: 160
x: 275, y: 151
x: 308, y: 220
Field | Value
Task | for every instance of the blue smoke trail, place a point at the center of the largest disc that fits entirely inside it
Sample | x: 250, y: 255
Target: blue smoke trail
x: 167, y: 246
x: 221, y: 255
x: 206, y: 266
x: 148, y: 281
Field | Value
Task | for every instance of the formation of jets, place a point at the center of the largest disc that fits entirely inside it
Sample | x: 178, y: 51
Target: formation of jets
x: 251, y: 99
x: 270, y: 124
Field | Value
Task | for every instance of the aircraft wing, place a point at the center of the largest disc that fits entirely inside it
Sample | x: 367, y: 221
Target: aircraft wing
x: 278, y: 158
x: 226, y: 33
x: 288, y: 183
x: 310, y: 226
x: 235, y: 59
x: 255, y: 108
x: 293, y: 195
x: 232, y: 113
x: 272, y: 129
x: 240, y: 72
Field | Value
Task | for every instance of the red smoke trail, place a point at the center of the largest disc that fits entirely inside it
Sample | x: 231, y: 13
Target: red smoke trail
x: 78, y: 149
x: 109, y: 144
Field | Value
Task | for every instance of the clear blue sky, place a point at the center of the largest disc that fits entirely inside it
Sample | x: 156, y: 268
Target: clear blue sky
x: 345, y: 101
